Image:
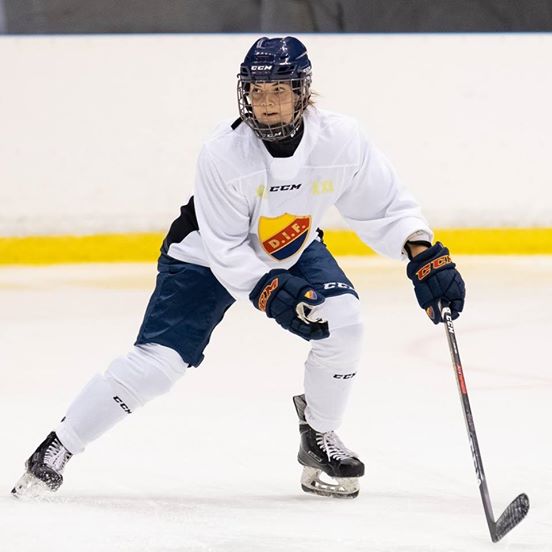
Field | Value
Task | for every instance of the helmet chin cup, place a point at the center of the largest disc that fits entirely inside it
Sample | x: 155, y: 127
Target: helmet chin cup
x: 274, y: 133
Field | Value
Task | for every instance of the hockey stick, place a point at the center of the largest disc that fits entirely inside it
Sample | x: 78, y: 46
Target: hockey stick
x: 519, y: 507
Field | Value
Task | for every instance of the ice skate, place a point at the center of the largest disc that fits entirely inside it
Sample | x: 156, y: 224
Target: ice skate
x: 44, y: 469
x: 324, y: 454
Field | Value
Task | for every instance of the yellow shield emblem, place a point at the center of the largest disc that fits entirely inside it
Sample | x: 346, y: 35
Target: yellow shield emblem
x: 281, y: 237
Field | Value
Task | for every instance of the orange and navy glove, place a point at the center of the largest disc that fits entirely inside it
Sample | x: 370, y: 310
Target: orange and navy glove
x: 292, y: 302
x: 435, y: 279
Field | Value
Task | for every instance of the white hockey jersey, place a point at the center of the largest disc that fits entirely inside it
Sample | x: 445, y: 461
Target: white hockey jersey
x: 256, y: 212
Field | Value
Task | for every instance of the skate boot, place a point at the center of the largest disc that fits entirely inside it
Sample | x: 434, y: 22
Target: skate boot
x: 43, y: 469
x: 324, y: 453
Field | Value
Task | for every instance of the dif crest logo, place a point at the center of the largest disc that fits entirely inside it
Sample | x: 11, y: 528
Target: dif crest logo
x: 283, y: 236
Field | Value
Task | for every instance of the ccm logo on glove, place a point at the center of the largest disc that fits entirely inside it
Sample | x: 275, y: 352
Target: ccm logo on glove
x: 433, y: 265
x: 266, y: 293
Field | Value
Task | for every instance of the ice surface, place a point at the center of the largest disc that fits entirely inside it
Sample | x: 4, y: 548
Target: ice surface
x: 211, y: 466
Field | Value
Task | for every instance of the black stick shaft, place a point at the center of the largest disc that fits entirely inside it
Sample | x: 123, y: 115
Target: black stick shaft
x: 478, y: 462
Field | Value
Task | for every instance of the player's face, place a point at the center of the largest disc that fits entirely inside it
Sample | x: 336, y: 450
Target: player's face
x: 273, y: 102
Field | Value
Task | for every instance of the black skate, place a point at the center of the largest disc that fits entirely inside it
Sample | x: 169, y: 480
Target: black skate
x: 325, y: 453
x: 43, y: 469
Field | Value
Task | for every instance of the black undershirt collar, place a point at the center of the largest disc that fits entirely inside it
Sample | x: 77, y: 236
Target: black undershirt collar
x: 287, y: 146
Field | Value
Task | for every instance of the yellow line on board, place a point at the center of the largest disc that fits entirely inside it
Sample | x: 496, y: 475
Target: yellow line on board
x: 144, y: 247
x: 497, y: 241
x: 80, y: 249
x: 461, y: 241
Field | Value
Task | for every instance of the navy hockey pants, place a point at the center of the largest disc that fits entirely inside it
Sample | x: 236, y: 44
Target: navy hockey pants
x: 188, y: 301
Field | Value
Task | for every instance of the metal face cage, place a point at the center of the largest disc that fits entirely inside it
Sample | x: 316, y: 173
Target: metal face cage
x: 278, y: 128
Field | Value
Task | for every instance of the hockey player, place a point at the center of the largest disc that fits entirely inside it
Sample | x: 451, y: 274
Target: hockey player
x: 251, y: 232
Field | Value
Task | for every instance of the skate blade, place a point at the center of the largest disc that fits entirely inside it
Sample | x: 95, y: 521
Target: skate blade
x: 338, y: 487
x: 31, y: 487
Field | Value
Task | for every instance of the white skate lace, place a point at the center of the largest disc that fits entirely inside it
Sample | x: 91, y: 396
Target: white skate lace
x: 331, y: 444
x: 56, y: 456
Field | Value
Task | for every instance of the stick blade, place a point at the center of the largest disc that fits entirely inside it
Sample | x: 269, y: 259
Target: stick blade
x: 513, y: 514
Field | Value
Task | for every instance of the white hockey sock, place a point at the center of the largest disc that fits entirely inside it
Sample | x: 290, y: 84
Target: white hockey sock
x: 92, y: 412
x: 145, y: 373
x: 332, y: 364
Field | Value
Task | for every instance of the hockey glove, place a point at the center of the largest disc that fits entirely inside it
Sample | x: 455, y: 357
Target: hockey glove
x: 435, y: 278
x: 291, y: 301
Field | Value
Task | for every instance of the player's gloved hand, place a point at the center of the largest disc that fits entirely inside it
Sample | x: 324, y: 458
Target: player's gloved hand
x: 435, y: 278
x: 292, y: 302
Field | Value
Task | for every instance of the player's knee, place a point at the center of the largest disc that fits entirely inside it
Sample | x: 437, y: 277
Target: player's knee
x: 340, y: 353
x: 342, y: 311
x: 146, y: 372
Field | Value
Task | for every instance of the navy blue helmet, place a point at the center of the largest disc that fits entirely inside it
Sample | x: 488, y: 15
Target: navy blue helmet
x: 284, y: 63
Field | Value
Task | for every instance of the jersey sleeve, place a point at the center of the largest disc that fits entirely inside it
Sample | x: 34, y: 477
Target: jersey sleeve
x: 223, y: 218
x: 378, y: 208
